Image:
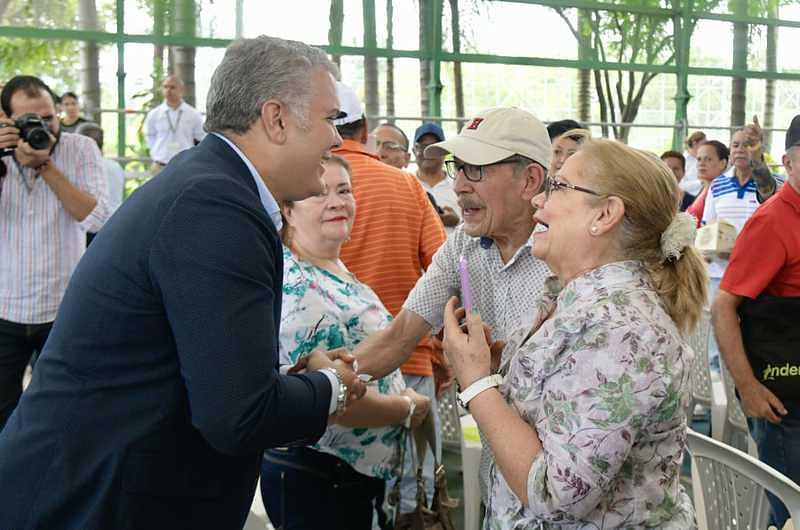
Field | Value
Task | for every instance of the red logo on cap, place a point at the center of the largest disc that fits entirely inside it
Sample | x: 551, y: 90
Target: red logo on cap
x: 474, y: 123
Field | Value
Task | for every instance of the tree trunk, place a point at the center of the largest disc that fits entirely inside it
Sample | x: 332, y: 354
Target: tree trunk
x: 90, y: 61
x: 390, y: 110
x: 3, y: 7
x: 458, y: 79
x: 185, y: 20
x: 424, y: 64
x: 739, y: 84
x: 772, y: 66
x: 336, y: 18
x: 585, y: 74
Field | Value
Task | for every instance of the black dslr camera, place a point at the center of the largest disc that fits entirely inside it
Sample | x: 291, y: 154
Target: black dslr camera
x: 33, y: 130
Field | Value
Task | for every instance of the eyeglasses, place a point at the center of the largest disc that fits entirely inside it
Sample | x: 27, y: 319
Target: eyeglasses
x: 552, y: 184
x: 390, y: 146
x: 476, y: 173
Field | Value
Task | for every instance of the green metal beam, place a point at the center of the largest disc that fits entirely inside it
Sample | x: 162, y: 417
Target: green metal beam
x: 104, y: 37
x: 598, y: 6
x: 682, y: 50
x: 120, y: 39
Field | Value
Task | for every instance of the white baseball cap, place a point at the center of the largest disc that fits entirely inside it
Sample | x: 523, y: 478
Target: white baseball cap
x: 349, y: 104
x: 496, y: 134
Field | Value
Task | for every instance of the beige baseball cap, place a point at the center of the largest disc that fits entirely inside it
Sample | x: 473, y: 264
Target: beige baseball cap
x: 495, y: 134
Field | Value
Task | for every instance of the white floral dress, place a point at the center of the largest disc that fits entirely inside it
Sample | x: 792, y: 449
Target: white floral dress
x: 604, y: 381
x: 323, y: 311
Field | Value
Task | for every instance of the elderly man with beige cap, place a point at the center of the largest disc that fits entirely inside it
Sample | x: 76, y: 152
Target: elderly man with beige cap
x: 498, y: 165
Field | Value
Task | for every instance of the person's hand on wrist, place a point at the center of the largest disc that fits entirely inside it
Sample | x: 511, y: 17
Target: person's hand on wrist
x: 29, y: 157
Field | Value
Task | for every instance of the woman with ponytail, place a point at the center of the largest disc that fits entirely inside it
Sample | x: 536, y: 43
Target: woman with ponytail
x: 585, y: 416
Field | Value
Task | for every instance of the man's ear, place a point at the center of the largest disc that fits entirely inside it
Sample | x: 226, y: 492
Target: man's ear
x: 273, y: 120
x: 787, y: 163
x: 534, y: 179
x: 608, y: 216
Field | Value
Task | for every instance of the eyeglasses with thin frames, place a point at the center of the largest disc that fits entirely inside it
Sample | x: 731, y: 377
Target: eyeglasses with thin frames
x: 552, y: 184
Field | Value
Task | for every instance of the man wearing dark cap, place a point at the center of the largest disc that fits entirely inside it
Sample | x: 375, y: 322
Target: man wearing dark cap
x: 755, y: 320
x: 430, y: 172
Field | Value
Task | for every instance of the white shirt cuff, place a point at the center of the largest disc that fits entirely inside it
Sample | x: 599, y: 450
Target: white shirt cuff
x: 331, y: 375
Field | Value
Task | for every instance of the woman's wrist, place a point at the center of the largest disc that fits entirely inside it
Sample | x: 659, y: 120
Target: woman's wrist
x: 411, y: 406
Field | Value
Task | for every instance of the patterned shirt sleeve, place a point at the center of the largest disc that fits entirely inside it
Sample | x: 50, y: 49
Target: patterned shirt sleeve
x: 436, y: 286
x: 89, y: 176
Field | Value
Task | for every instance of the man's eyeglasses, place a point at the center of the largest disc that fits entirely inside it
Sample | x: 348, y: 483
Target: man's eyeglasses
x: 390, y: 146
x: 552, y: 184
x: 476, y: 173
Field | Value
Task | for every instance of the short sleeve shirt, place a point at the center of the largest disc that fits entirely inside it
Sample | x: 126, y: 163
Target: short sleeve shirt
x: 503, y: 293
x: 727, y: 199
x: 766, y: 257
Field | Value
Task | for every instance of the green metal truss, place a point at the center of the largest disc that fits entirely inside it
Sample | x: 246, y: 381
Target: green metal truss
x: 681, y: 13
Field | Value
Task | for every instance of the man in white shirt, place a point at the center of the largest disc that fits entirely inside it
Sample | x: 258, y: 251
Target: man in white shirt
x: 172, y: 126
x: 49, y: 198
x: 690, y: 183
x: 430, y: 172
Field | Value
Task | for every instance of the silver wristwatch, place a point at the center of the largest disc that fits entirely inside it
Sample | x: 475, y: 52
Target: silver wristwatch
x: 341, y: 397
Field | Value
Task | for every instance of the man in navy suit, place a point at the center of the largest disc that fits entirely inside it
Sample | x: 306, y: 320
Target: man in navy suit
x: 158, y: 389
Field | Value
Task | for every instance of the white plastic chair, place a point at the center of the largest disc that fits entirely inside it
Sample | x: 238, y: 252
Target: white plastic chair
x: 450, y: 419
x: 728, y: 487
x: 701, y: 372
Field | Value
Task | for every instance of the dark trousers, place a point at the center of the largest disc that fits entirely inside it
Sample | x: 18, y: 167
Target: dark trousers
x: 304, y: 489
x: 778, y: 448
x: 18, y: 342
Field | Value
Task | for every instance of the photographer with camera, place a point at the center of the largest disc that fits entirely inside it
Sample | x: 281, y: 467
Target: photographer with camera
x: 53, y: 192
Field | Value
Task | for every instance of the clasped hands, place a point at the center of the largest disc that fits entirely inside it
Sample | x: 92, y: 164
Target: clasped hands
x: 341, y: 361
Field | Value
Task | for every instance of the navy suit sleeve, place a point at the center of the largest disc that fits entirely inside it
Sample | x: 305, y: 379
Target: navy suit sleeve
x: 213, y: 261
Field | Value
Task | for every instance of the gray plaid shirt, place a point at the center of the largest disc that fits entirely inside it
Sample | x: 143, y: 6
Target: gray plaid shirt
x: 505, y: 294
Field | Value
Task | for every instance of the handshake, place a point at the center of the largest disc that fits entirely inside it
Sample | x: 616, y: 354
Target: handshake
x: 346, y: 367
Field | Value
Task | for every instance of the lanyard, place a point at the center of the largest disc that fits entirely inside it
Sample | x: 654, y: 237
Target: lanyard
x: 173, y: 128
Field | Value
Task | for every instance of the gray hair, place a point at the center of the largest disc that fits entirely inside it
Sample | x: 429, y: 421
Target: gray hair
x: 256, y: 70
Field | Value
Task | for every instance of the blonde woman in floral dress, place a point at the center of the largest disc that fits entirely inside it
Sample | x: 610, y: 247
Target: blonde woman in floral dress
x: 587, y: 425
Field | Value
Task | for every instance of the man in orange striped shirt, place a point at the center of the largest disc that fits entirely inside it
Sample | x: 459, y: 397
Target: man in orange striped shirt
x: 394, y: 238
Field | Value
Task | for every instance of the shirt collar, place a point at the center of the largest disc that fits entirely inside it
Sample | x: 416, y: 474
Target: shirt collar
x: 353, y: 146
x: 486, y: 243
x: 267, y: 200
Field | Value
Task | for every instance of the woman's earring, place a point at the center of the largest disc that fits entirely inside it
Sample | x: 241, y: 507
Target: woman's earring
x: 593, y: 230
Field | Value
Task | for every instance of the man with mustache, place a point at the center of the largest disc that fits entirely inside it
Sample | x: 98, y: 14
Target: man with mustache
x: 499, y: 165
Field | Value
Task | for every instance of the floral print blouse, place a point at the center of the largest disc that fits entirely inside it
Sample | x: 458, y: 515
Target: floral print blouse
x: 603, y: 378
x: 323, y: 311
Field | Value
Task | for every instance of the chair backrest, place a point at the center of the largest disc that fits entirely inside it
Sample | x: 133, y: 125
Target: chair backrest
x: 700, y: 373
x: 450, y: 419
x: 732, y: 485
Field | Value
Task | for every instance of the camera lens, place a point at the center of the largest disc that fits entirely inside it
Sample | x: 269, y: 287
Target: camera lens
x: 38, y: 138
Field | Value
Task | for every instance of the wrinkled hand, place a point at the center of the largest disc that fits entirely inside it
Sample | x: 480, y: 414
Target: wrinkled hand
x: 495, y: 347
x: 356, y: 388
x: 754, y: 143
x: 759, y: 402
x: 9, y: 135
x: 468, y: 352
x: 422, y: 406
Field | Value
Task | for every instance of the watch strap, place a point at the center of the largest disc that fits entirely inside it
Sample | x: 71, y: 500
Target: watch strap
x: 485, y: 383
